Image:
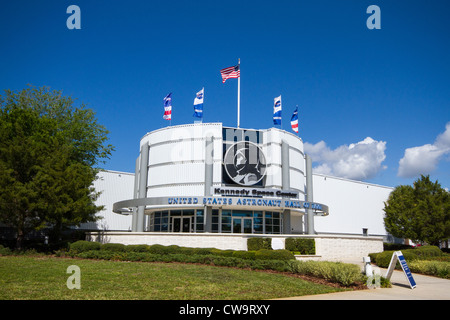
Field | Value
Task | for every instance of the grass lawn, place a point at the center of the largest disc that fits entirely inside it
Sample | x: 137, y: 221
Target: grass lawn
x: 45, y: 277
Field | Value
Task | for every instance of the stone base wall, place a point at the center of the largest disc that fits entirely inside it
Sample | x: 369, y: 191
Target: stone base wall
x: 328, y: 247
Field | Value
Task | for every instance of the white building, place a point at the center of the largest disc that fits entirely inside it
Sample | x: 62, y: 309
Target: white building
x: 218, y: 184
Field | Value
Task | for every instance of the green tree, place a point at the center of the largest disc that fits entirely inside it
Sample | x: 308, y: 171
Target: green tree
x: 420, y: 212
x: 49, y: 156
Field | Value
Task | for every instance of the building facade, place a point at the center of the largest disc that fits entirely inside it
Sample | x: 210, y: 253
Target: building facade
x: 208, y: 178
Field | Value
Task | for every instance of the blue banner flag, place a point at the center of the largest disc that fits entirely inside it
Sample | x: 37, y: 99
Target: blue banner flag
x: 277, y: 110
x: 198, y: 103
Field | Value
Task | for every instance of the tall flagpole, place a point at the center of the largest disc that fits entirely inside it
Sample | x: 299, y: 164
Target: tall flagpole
x: 239, y: 94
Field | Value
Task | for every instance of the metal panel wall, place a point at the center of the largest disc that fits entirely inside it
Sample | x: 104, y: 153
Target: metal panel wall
x: 114, y: 186
x: 353, y: 205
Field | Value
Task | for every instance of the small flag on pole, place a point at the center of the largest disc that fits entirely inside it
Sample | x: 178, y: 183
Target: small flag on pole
x: 294, y: 120
x: 168, y: 107
x: 230, y: 73
x: 277, y: 110
x: 198, y: 103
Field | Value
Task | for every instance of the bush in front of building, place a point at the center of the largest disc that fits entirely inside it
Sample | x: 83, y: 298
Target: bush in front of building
x: 264, y: 254
x: 114, y: 247
x: 264, y: 259
x: 382, y: 259
x: 439, y: 269
x: 83, y: 245
x: 138, y: 248
x: 301, y: 245
x: 254, y: 244
x: 344, y: 273
x: 260, y: 254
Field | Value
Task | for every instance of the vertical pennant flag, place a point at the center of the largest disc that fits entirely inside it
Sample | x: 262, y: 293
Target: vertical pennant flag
x: 230, y: 73
x: 277, y: 110
x: 198, y: 103
x: 168, y: 107
x: 294, y: 120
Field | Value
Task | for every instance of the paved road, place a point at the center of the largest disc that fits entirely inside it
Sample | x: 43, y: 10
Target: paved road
x: 428, y: 288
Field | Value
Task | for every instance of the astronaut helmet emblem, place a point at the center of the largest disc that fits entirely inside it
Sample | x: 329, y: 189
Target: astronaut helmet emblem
x: 245, y: 163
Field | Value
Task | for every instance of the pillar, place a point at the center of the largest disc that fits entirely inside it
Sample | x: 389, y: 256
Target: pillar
x: 135, y: 195
x: 285, y: 183
x: 309, y: 195
x: 143, y: 173
x: 209, y: 170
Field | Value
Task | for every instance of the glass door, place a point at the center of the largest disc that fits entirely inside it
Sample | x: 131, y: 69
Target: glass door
x: 247, y: 226
x: 181, y: 224
x: 242, y: 225
x: 186, y: 224
x: 237, y: 225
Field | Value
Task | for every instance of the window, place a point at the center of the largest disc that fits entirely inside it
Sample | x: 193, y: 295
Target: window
x: 222, y: 221
x: 226, y: 221
x: 199, y: 221
x: 215, y: 220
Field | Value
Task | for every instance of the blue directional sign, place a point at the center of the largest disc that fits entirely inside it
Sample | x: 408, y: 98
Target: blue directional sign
x: 406, y: 270
x: 399, y: 255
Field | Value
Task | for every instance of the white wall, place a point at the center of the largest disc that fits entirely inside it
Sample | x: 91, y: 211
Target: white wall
x: 177, y: 159
x: 353, y: 205
x: 114, y: 186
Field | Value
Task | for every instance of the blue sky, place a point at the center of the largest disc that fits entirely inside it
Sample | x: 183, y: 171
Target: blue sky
x: 373, y: 104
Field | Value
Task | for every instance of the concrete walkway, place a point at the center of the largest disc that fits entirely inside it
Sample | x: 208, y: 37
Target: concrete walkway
x: 428, y: 288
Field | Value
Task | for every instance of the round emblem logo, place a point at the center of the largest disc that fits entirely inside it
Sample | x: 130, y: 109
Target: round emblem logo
x: 245, y: 163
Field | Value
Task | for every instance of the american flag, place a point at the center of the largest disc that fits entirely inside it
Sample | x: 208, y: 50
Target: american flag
x: 168, y: 107
x: 230, y: 73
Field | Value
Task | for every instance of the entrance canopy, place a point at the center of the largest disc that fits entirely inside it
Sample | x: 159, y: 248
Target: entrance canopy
x: 126, y: 206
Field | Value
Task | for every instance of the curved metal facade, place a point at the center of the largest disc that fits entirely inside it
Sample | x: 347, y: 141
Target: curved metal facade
x: 181, y: 178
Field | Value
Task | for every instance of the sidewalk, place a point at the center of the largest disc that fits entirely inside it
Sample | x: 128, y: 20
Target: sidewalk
x: 428, y: 288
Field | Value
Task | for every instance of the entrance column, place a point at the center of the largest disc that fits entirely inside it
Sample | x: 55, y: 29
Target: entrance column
x: 143, y: 175
x: 209, y: 169
x: 309, y: 195
x: 285, y: 183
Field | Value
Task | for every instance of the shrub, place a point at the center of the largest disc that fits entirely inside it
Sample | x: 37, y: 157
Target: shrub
x: 115, y: 247
x: 83, y: 245
x: 5, y: 251
x: 223, y: 253
x: 301, y: 245
x: 159, y: 249
x: 254, y: 244
x: 383, y: 259
x: 137, y: 248
x: 439, y: 269
x: 344, y: 273
x: 244, y: 254
x: 265, y: 254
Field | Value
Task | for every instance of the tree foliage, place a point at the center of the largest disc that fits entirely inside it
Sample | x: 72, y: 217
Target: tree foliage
x: 420, y: 212
x: 49, y: 153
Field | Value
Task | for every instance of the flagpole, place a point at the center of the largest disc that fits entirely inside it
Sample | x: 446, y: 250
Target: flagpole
x: 239, y: 94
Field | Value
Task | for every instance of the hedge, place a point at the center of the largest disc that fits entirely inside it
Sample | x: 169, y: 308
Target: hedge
x: 383, y: 259
x: 262, y: 254
x: 439, y: 269
x: 254, y: 244
x: 115, y: 247
x: 301, y: 245
x: 343, y: 273
x: 82, y: 245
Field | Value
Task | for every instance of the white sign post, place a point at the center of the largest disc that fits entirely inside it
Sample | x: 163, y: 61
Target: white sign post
x: 399, y: 255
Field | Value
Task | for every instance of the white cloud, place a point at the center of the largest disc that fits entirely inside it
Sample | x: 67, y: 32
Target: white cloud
x: 424, y: 159
x: 359, y: 161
